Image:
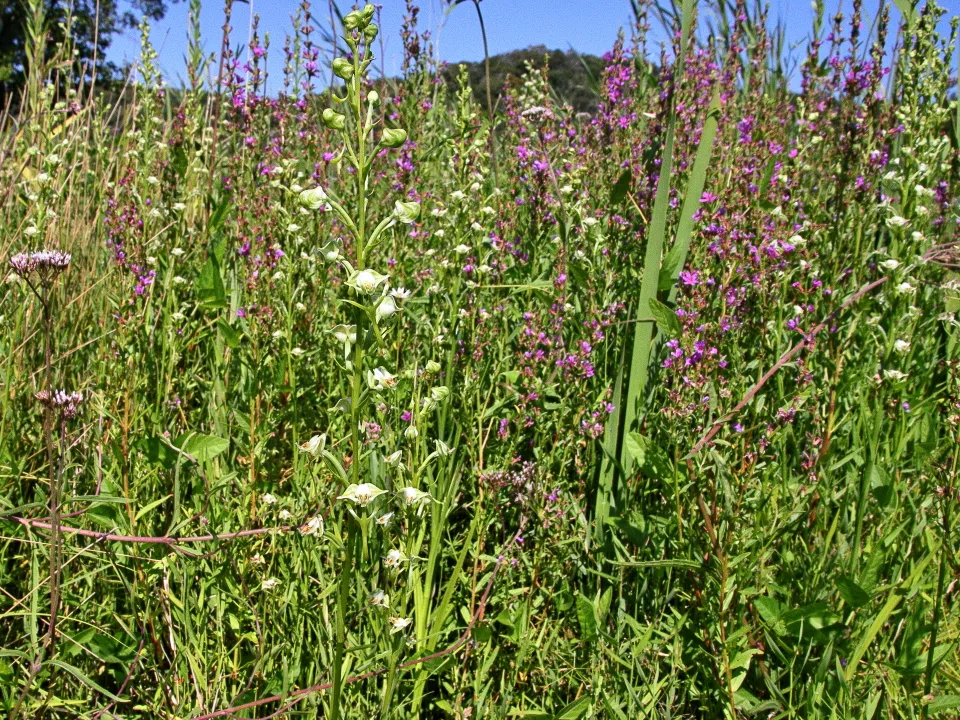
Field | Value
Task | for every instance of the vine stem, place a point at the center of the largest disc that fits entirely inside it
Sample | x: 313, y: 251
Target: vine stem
x: 147, y: 539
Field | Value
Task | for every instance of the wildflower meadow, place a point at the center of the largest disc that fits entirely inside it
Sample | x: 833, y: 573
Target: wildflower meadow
x: 349, y: 395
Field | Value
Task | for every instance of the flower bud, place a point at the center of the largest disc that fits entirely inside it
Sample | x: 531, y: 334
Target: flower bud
x: 331, y: 251
x: 393, y: 137
x: 370, y: 32
x: 334, y: 120
x: 343, y: 69
x: 386, y: 308
x: 314, y: 198
x: 314, y: 445
x: 373, y: 97
x: 352, y: 20
x: 366, y: 15
x: 406, y: 212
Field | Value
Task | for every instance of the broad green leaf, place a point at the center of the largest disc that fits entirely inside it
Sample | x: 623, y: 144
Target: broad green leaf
x: 575, y: 709
x: 230, y: 336
x: 202, y: 447
x: 619, y: 190
x: 814, y: 615
x: 769, y: 609
x: 667, y: 321
x: 210, y: 289
x: 853, y: 594
x: 158, y: 451
x: 742, y: 659
x: 944, y: 702
x: 881, y: 487
x: 908, y: 9
x: 587, y: 617
x: 651, y: 461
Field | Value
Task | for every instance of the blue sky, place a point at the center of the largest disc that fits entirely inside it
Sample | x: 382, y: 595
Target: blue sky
x: 588, y: 26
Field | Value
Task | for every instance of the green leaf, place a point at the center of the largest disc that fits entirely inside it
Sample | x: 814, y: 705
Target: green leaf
x: 881, y: 487
x: 85, y: 680
x: 210, y: 289
x: 677, y: 256
x: 202, y: 447
x: 770, y: 610
x: 742, y: 660
x: 151, y: 506
x: 575, y: 709
x: 609, y: 464
x: 219, y: 216
x: 893, y: 599
x: 852, y: 594
x: 587, y: 617
x: 230, y: 336
x: 551, y: 400
x: 767, y: 177
x: 908, y: 9
x: 667, y: 321
x: 106, y: 516
x: 944, y: 702
x: 650, y: 459
x: 815, y: 615
x: 179, y: 162
x: 641, y: 346
x: 658, y: 563
x: 481, y: 633
x: 619, y: 191
x: 157, y: 451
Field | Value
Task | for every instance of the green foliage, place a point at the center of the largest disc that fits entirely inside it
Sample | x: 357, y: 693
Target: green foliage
x: 657, y: 419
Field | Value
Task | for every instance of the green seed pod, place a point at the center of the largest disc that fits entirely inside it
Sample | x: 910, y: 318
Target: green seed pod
x: 394, y: 137
x: 366, y: 15
x: 334, y: 120
x: 343, y: 69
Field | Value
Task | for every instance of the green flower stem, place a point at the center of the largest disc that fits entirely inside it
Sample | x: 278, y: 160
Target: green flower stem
x: 360, y: 318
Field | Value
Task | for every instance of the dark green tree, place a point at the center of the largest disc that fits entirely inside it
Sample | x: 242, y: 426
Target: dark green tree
x: 93, y: 26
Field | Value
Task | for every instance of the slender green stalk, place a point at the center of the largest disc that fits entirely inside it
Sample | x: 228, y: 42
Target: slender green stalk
x: 491, y: 115
x: 948, y: 496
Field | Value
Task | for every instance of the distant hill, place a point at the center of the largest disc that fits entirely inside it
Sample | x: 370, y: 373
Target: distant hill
x: 572, y: 76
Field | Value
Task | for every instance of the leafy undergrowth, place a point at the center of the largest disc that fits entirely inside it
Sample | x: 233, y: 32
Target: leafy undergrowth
x: 372, y: 407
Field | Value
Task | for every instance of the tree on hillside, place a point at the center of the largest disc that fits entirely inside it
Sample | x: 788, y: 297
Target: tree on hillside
x: 573, y: 77
x: 91, y: 32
